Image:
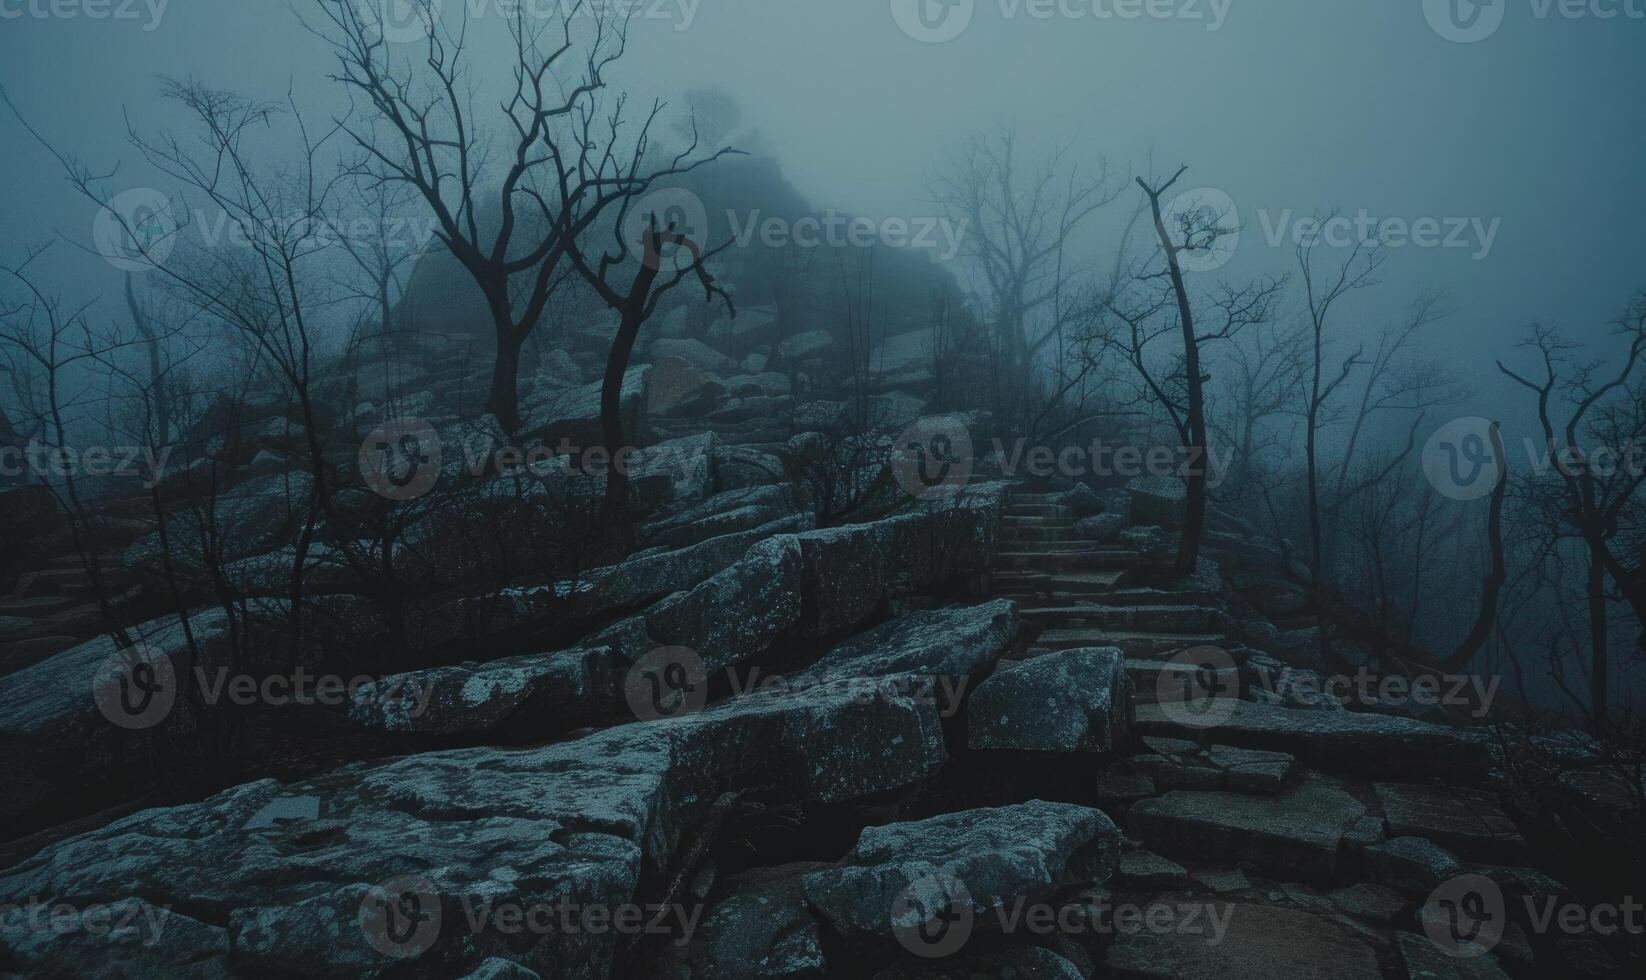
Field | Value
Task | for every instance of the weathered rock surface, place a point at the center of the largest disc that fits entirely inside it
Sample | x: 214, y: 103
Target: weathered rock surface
x: 1297, y: 835
x: 1262, y: 943
x: 1158, y: 500
x: 1467, y: 822
x: 581, y: 821
x: 1064, y: 701
x: 909, y: 871
x: 1409, y: 864
x: 1426, y: 961
x: 1349, y: 740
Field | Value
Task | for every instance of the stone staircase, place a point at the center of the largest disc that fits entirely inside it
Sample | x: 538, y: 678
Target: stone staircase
x: 1078, y: 593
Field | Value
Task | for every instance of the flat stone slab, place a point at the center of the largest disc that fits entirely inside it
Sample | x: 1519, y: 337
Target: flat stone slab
x: 903, y: 875
x: 1067, y: 701
x: 1413, y: 865
x: 1467, y: 822
x: 1426, y: 961
x: 317, y: 889
x: 1146, y: 870
x: 1261, y: 943
x: 1025, y: 962
x: 1347, y: 740
x: 1294, y: 836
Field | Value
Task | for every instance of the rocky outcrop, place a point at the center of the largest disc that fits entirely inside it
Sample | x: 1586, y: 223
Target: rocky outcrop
x: 976, y: 864
x: 385, y: 865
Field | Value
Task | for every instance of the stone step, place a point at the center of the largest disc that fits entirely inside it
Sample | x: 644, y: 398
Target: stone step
x: 1135, y: 644
x: 1037, y: 522
x: 1061, y: 530
x: 1150, y: 677
x: 1159, y: 597
x: 1029, y: 497
x: 35, y: 607
x: 1047, y: 560
x: 1067, y: 584
x: 1018, y: 511
x: 1164, y: 618
x: 1342, y: 740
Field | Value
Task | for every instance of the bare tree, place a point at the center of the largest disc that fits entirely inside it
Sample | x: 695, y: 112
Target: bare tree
x: 1583, y: 495
x: 567, y: 159
x: 1018, y: 220
x: 1159, y: 306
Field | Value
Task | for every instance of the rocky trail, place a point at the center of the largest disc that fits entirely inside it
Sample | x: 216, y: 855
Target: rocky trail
x: 982, y: 736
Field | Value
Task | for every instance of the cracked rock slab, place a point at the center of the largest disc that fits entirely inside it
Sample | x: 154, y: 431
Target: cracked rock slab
x: 445, y: 833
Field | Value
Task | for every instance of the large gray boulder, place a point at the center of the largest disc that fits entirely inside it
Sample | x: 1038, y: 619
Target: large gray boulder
x: 254, y: 517
x: 1066, y: 701
x: 552, y: 414
x: 1158, y: 500
x: 899, y: 875
x: 953, y: 642
x: 694, y: 352
x: 378, y: 868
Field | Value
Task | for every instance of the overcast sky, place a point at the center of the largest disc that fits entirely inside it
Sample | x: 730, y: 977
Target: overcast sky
x: 1534, y: 134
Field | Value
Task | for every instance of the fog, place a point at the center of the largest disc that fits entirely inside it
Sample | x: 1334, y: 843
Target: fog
x: 1289, y: 106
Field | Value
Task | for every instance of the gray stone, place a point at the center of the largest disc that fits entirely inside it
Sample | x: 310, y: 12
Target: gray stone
x: 574, y: 413
x: 251, y: 518
x: 803, y: 346
x: 1102, y: 528
x: 581, y: 820
x: 1426, y: 961
x: 1467, y: 822
x: 1410, y: 865
x: 693, y: 352
x: 821, y: 416
x: 760, y: 927
x: 1147, y: 871
x: 1084, y: 501
x: 1349, y: 740
x: 1262, y: 943
x: 679, y: 388
x: 1006, y: 963
x: 1149, y: 541
x: 1158, y: 500
x: 1296, y: 836
x: 994, y: 855
x: 1252, y: 770
x: 1369, y: 901
x: 954, y: 642
x: 1065, y: 701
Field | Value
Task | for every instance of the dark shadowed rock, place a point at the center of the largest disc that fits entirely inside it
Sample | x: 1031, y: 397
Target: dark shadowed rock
x: 1426, y: 961
x: 1297, y: 835
x: 1262, y: 943
x: 1409, y: 864
x: 1025, y: 962
x: 1065, y: 701
x: 1467, y: 822
x: 759, y: 926
x: 1158, y: 500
